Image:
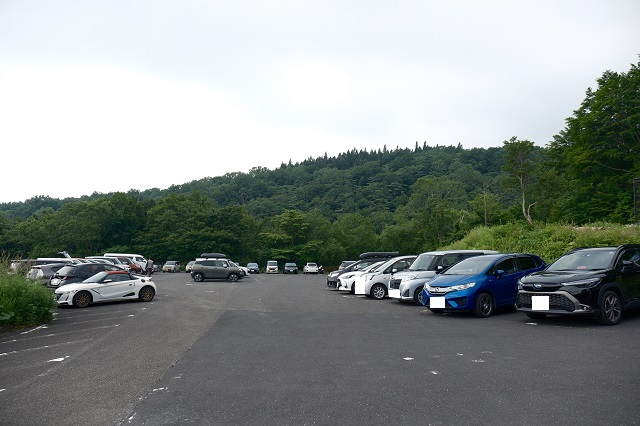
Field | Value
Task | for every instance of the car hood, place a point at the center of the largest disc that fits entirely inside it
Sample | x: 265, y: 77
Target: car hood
x: 555, y: 277
x: 76, y: 287
x: 449, y: 280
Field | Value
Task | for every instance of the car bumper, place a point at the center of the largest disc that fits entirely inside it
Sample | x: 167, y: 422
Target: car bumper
x: 455, y: 301
x: 560, y: 303
x: 64, y: 299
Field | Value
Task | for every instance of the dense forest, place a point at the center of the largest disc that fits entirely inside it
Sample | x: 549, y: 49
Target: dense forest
x: 332, y: 208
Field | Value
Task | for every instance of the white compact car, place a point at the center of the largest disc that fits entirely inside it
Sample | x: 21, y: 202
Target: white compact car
x: 310, y: 268
x: 346, y: 282
x: 376, y: 284
x: 106, y: 286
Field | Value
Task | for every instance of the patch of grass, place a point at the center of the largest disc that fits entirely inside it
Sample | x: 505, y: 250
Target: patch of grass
x: 23, y: 303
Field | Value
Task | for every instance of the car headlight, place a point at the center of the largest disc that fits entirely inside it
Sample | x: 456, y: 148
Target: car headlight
x: 66, y: 291
x: 347, y: 276
x: 584, y: 283
x: 333, y: 274
x: 409, y: 277
x: 462, y: 286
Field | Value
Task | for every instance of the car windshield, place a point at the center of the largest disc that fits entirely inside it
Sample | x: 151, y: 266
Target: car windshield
x: 311, y: 264
x: 66, y: 270
x: 373, y: 268
x: 470, y: 266
x: 290, y: 265
x: 97, y: 277
x: 583, y: 260
x: 422, y: 262
x: 171, y: 262
x: 272, y: 263
x: 252, y: 265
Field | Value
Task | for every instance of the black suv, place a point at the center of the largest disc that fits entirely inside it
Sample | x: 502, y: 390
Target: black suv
x: 79, y: 272
x: 599, y: 282
x: 215, y: 266
x: 366, y: 259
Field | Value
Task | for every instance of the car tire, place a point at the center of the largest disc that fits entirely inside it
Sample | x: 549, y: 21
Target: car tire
x: 146, y: 294
x: 536, y: 315
x: 352, y: 290
x: 198, y: 277
x: 417, y: 297
x: 233, y: 277
x: 610, y: 309
x: 378, y: 291
x: 82, y: 299
x: 484, y: 305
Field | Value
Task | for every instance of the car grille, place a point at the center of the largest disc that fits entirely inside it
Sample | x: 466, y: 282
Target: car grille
x: 557, y: 302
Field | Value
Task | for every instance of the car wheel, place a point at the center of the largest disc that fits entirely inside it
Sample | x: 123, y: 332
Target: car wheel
x: 146, y: 294
x: 82, y: 299
x: 437, y: 311
x: 535, y: 315
x: 417, y: 297
x: 233, y: 277
x: 198, y: 277
x: 378, y: 291
x: 352, y: 290
x: 611, y: 309
x: 484, y: 305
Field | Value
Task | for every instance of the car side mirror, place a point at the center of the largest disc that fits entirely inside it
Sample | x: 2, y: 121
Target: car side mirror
x: 394, y: 270
x: 499, y: 273
x: 107, y: 281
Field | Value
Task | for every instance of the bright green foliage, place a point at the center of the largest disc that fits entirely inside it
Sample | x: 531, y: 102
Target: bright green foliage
x: 24, y: 303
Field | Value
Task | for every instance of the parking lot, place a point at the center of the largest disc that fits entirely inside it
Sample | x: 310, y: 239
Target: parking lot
x: 282, y: 349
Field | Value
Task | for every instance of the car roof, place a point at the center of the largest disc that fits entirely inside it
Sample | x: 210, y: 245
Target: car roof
x: 439, y: 252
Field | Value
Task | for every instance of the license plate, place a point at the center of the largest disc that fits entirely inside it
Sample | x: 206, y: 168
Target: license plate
x: 436, y: 302
x: 539, y: 303
x: 394, y: 293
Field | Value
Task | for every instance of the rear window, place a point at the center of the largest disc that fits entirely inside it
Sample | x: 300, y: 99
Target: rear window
x: 527, y: 262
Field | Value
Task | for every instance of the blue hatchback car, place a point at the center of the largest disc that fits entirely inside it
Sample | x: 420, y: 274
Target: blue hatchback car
x: 480, y: 284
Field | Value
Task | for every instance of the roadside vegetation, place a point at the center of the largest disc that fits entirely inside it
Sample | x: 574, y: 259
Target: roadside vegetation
x: 23, y: 303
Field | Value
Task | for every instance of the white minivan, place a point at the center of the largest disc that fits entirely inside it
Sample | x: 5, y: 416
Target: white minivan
x: 138, y: 259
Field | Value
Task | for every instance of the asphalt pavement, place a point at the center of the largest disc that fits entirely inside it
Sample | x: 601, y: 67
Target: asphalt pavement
x: 285, y: 350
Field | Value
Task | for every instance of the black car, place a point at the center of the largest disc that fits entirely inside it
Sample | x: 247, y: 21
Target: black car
x: 366, y: 259
x: 290, y: 268
x: 598, y: 282
x: 79, y: 272
x: 253, y: 268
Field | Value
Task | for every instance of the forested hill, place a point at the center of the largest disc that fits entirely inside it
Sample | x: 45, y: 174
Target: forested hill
x: 353, y: 182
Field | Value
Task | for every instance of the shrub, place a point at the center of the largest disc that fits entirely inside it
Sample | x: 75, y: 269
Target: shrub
x: 24, y: 303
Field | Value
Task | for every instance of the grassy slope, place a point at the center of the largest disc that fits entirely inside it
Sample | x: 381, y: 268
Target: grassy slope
x: 549, y: 241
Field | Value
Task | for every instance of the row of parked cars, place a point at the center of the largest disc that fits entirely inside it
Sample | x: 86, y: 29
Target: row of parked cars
x: 598, y: 282
x: 81, y: 281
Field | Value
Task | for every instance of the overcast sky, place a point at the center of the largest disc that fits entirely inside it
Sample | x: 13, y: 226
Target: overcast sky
x: 117, y: 95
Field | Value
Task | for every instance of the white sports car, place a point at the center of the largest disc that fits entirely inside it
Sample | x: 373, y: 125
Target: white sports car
x: 106, y: 286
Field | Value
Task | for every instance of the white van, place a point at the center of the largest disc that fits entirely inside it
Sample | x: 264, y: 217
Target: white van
x: 138, y: 259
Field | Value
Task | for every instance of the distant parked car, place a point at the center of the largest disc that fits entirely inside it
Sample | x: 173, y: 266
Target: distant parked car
x: 290, y: 268
x: 601, y: 283
x: 376, y: 283
x: 310, y: 268
x: 215, y: 269
x: 106, y: 286
x: 346, y: 281
x: 366, y: 259
x: 189, y: 265
x: 253, y: 268
x: 243, y: 270
x: 272, y: 267
x: 345, y: 263
x: 44, y: 272
x: 75, y: 273
x: 480, y: 284
x: 171, y: 266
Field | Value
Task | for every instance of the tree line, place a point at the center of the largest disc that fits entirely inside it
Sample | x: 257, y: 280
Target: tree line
x: 329, y: 209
